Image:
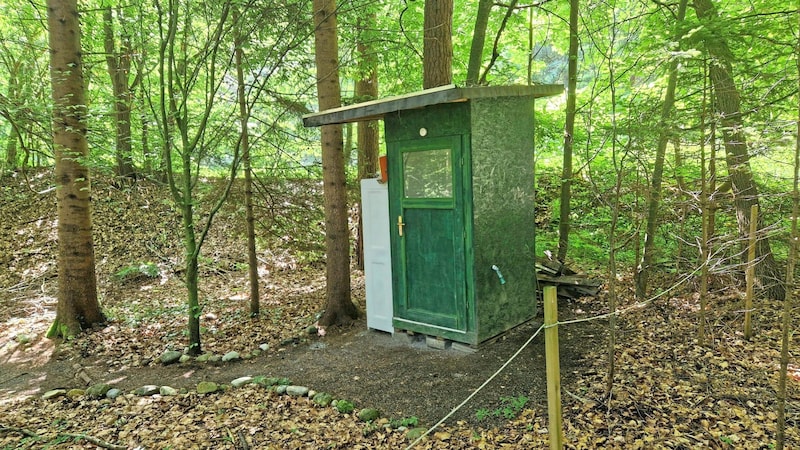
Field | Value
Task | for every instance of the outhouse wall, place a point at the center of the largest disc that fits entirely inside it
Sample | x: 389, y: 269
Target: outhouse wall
x: 503, y: 212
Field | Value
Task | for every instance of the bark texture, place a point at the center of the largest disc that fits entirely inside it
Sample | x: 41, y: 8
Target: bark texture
x: 478, y: 41
x: 78, y: 307
x: 366, y: 90
x: 437, y: 49
x: 118, y: 64
x: 339, y: 308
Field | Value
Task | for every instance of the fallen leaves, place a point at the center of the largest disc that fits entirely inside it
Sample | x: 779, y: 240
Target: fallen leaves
x: 668, y: 391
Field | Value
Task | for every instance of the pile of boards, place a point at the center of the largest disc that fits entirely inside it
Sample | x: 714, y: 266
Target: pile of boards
x: 570, y: 284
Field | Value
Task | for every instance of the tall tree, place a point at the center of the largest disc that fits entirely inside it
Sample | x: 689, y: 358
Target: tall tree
x: 244, y: 142
x: 78, y: 307
x: 437, y: 49
x: 737, y: 158
x: 339, y: 308
x: 665, y: 131
x: 118, y: 64
x: 569, y: 132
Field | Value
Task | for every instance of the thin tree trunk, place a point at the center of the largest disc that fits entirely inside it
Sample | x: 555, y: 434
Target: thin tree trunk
x: 78, y: 307
x: 569, y: 131
x: 745, y: 190
x: 788, y: 302
x: 174, y: 115
x: 437, y: 50
x: 339, y: 308
x: 478, y: 42
x: 244, y: 118
x: 665, y: 130
x: 705, y: 208
x: 682, y: 199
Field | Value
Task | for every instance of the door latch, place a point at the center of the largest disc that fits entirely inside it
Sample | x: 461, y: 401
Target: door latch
x: 400, y: 225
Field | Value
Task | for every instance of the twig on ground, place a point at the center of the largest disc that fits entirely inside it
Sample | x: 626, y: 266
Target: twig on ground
x: 92, y: 440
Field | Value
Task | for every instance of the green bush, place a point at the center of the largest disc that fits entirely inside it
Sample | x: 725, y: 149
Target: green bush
x: 138, y: 271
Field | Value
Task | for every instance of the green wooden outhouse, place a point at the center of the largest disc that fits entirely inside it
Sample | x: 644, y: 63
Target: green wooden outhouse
x: 460, y: 205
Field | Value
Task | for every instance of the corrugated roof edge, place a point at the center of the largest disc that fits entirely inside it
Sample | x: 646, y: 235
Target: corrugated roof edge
x: 376, y: 109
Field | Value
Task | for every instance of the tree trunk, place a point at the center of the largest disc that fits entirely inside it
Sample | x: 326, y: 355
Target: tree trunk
x: 366, y: 90
x: 705, y: 208
x: 478, y: 41
x: 244, y: 118
x: 664, y: 134
x: 437, y: 50
x: 368, y: 139
x: 6, y: 112
x: 745, y: 191
x: 569, y: 131
x: 339, y: 308
x: 119, y: 66
x: 78, y: 307
x: 11, y: 148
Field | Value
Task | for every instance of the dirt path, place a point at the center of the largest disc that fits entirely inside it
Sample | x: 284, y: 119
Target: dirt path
x: 399, y: 375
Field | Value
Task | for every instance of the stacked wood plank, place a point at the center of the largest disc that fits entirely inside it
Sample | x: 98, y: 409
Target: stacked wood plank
x: 569, y: 283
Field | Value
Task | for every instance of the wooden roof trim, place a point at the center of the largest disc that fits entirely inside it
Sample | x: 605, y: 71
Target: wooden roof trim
x: 376, y: 109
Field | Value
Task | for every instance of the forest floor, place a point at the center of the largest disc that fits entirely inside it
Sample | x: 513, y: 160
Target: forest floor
x: 668, y: 391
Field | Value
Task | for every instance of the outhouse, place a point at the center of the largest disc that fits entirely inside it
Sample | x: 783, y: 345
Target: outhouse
x: 449, y: 237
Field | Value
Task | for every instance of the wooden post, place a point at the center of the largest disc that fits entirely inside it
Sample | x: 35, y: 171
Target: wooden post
x: 750, y: 273
x: 553, y: 368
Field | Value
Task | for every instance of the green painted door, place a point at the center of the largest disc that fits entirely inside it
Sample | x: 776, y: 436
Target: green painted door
x: 428, y: 232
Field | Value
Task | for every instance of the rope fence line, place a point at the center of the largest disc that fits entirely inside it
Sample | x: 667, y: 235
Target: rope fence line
x: 618, y: 312
x: 475, y: 392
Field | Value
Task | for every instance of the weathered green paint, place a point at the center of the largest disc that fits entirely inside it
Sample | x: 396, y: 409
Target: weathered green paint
x: 503, y: 212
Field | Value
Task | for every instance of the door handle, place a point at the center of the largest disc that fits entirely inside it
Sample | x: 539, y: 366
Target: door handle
x: 400, y: 225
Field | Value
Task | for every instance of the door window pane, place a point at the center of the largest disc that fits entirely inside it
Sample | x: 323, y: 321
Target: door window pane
x: 427, y: 174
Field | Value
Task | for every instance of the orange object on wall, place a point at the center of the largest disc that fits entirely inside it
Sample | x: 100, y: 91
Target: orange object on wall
x: 384, y: 169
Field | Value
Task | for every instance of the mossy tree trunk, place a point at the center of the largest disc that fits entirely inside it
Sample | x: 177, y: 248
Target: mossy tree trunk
x: 478, y: 41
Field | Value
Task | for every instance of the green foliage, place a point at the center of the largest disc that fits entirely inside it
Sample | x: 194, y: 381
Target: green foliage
x: 138, y: 271
x: 407, y: 422
x: 510, y: 407
x: 345, y: 406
